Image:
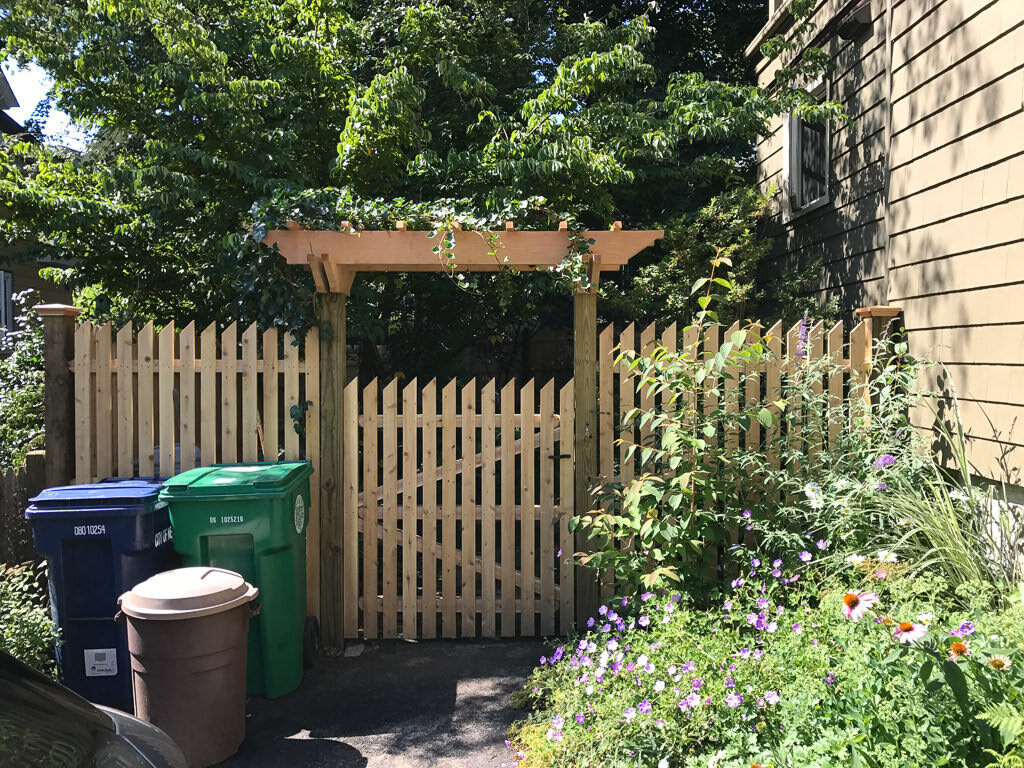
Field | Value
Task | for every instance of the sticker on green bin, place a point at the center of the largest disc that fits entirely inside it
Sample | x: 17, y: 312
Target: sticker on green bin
x: 300, y: 513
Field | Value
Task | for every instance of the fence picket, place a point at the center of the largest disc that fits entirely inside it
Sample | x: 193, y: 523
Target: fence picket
x: 563, y: 557
x: 731, y: 393
x: 487, y: 522
x: 647, y: 336
x: 123, y: 401
x: 229, y: 394
x: 547, y: 510
x: 606, y: 401
x: 429, y: 463
x: 627, y: 400
x: 508, y: 509
x: 271, y: 396
x: 835, y: 382
x: 467, y: 590
x: 291, y: 399
x: 208, y: 453
x: 390, y: 485
x: 147, y: 401
x: 796, y: 355
x: 187, y: 396
x: 104, y: 404
x: 165, y: 383
x: 350, y: 519
x: 250, y: 431
x: 311, y: 381
x: 371, y: 511
x: 409, y: 514
x: 527, y: 503
x: 448, y: 501
x: 84, y: 421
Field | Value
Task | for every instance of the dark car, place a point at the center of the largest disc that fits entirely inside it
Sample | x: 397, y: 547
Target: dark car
x: 44, y: 724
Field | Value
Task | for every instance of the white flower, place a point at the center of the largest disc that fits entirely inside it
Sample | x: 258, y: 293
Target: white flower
x: 856, y: 559
x: 958, y: 495
x: 924, y: 618
x: 842, y: 484
x: 885, y: 556
x: 817, y: 502
x: 812, y: 490
x: 663, y: 763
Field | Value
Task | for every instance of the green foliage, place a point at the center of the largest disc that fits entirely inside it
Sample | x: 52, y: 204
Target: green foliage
x: 21, y: 384
x: 201, y: 108
x: 660, y: 291
x: 26, y: 630
x: 671, y: 513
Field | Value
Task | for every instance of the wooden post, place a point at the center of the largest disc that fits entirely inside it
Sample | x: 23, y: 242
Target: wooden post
x: 59, y: 388
x: 877, y: 322
x: 586, y: 431
x: 333, y: 376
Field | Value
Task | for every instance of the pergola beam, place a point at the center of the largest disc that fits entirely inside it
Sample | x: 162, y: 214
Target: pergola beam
x: 333, y: 255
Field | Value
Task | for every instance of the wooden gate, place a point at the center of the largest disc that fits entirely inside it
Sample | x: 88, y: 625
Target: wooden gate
x: 456, y: 505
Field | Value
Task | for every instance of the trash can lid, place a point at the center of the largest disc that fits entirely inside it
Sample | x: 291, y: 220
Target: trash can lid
x: 112, y: 497
x: 221, y: 480
x: 187, y: 593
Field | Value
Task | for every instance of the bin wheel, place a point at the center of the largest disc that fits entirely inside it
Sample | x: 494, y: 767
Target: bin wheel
x: 310, y: 641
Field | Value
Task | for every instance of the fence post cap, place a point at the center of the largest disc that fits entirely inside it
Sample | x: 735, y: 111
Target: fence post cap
x: 56, y: 310
x: 877, y: 311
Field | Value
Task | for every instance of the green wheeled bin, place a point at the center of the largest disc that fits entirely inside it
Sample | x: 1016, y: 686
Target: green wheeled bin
x: 251, y: 519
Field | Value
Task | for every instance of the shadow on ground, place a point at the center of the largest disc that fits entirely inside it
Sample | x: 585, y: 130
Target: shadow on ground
x: 401, y: 705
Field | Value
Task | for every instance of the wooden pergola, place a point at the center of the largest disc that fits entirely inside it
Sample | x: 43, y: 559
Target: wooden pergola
x: 334, y: 257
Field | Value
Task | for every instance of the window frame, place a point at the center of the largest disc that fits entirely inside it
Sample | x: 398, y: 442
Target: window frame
x: 792, y: 170
x: 6, y: 300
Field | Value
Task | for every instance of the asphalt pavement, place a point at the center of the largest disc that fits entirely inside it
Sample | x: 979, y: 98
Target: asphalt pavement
x: 394, y: 704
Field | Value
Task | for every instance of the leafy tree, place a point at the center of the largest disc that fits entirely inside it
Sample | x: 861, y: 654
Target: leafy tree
x: 201, y: 108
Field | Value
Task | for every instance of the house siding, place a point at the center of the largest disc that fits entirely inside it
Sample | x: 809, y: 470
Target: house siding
x: 927, y: 206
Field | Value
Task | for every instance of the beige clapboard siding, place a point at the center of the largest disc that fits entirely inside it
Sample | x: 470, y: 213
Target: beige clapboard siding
x: 985, y: 306
x: 960, y: 272
x: 973, y: 345
x: 917, y: 26
x: 983, y: 383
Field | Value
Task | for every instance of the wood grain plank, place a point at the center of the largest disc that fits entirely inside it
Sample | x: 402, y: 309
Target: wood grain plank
x: 311, y: 378
x: 390, y: 533
x: 467, y: 521
x: 606, y: 402
x: 271, y: 399
x: 165, y: 386
x: 291, y: 399
x: 627, y: 401
x: 487, y: 517
x: 449, y: 499
x: 350, y: 518
x: 147, y: 401
x: 429, y: 504
x: 84, y: 421
x: 187, y: 395
x: 104, y: 403
x: 229, y: 394
x: 208, y: 396
x: 835, y: 385
x: 124, y: 402
x: 564, y: 560
x: 547, y: 512
x: 371, y: 538
x: 508, y: 503
x: 527, y: 500
x: 410, y: 393
x: 250, y: 431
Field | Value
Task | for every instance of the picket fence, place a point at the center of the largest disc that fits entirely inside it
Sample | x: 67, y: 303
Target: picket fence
x: 456, y: 498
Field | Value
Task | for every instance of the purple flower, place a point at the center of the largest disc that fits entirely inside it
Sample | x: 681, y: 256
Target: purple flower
x: 602, y: 610
x: 730, y: 682
x: 744, y: 653
x: 629, y: 714
x: 606, y: 627
x: 644, y: 707
x: 881, y: 487
x: 883, y: 461
x: 755, y: 563
x: 727, y: 605
x: 772, y: 697
x: 752, y: 618
x: 697, y: 683
x: 746, y: 513
x: 966, y: 629
x: 801, y: 336
x: 558, y: 721
x: 643, y: 621
x: 797, y: 629
x: 821, y: 544
x: 776, y: 563
x: 776, y: 573
x: 553, y: 735
x: 805, y: 556
x: 543, y: 659
x: 580, y: 718
x: 772, y: 627
x: 733, y: 700
x: 646, y: 596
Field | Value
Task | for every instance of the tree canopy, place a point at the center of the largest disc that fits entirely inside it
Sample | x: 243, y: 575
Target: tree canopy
x: 202, y: 108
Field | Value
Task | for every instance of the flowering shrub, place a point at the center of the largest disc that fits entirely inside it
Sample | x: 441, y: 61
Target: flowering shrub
x: 21, y: 384
x: 784, y: 671
x: 26, y: 629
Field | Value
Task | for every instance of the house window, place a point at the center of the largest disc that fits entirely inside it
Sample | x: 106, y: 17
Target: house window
x: 6, y: 300
x: 809, y: 158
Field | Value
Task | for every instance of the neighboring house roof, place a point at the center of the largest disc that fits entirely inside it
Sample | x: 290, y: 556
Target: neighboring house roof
x: 7, y: 101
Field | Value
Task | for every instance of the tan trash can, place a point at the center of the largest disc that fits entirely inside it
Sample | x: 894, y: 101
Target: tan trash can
x: 187, y: 638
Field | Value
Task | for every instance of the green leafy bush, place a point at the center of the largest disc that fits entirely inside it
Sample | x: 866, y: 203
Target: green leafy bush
x: 21, y: 384
x: 26, y: 630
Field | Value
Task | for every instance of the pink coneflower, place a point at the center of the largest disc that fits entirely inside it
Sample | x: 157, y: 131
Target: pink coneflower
x: 908, y: 632
x: 856, y: 604
x: 958, y: 650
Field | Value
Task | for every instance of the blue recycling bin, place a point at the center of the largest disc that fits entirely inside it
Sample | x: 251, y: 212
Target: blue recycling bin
x: 99, y: 541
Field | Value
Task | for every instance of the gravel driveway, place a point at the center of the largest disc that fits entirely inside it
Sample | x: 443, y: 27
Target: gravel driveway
x: 432, y: 704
